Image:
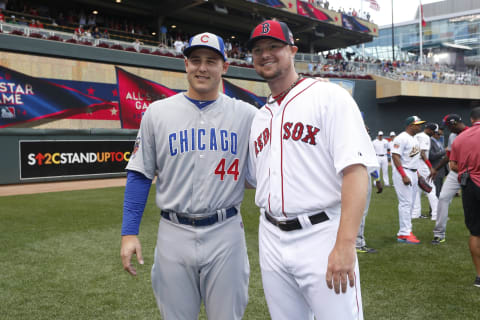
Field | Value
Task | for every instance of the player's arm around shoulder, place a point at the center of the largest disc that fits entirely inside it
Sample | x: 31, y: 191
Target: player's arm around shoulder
x: 342, y: 258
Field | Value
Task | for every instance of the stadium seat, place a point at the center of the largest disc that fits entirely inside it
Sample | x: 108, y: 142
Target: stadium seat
x: 36, y: 35
x: 17, y: 32
x: 103, y: 45
x: 71, y: 41
x: 116, y: 47
x: 144, y: 50
x: 54, y: 38
x: 131, y: 49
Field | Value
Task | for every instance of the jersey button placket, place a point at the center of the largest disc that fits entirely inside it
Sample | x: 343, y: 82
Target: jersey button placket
x: 275, y: 160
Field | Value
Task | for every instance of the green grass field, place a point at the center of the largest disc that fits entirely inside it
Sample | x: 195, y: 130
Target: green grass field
x: 60, y: 260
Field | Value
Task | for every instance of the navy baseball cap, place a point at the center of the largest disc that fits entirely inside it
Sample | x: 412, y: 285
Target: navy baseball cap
x: 206, y: 40
x: 451, y: 118
x: 432, y: 126
x: 271, y: 29
x: 413, y: 120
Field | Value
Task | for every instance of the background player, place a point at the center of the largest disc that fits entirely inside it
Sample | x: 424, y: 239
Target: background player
x: 406, y: 155
x: 196, y: 144
x: 425, y: 170
x: 436, y: 154
x: 450, y: 186
x: 381, y: 149
x: 361, y: 243
x: 309, y: 149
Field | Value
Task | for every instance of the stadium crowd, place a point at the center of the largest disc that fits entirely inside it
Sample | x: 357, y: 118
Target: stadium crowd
x: 94, y: 29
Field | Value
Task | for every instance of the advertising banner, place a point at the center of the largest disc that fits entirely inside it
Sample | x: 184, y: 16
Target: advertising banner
x: 68, y: 158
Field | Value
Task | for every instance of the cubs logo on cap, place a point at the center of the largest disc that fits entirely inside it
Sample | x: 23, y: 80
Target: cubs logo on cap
x: 271, y: 29
x: 206, y: 40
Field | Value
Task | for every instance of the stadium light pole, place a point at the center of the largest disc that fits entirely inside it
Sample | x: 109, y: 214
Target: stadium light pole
x: 393, y: 37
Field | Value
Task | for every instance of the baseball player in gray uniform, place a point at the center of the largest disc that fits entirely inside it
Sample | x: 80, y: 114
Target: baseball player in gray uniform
x: 196, y: 144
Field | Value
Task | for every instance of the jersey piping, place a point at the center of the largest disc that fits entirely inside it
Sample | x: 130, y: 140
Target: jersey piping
x: 281, y: 143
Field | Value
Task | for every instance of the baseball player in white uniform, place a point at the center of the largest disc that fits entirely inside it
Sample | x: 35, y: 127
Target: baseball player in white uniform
x: 196, y: 144
x: 309, y: 150
x: 451, y: 185
x: 425, y: 170
x: 381, y: 149
x: 406, y: 155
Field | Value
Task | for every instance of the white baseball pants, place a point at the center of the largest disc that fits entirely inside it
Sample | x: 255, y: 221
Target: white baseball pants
x: 449, y: 188
x: 432, y: 196
x: 360, y: 242
x: 203, y: 263
x: 294, y: 265
x: 383, y: 161
x: 406, y: 199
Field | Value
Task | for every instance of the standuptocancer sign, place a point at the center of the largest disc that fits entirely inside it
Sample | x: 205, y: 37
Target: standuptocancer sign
x: 67, y: 158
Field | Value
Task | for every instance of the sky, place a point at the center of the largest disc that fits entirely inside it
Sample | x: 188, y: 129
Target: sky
x: 403, y: 10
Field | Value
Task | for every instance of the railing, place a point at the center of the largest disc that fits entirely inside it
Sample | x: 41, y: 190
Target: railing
x: 46, y: 34
x: 327, y: 66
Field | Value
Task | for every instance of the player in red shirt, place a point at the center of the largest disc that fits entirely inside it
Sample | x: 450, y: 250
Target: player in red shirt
x: 465, y: 159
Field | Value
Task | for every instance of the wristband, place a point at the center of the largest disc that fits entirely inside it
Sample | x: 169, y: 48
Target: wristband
x: 401, y: 171
x: 427, y: 162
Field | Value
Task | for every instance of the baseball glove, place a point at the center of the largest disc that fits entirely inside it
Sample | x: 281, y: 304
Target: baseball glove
x: 423, y: 184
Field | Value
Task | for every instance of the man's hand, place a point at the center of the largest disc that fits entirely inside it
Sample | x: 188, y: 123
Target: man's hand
x: 130, y: 245
x: 433, y: 174
x: 406, y: 181
x: 341, y: 267
x: 342, y: 258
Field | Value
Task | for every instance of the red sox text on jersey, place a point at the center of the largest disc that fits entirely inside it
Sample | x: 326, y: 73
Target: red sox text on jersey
x: 297, y: 131
x: 202, y: 139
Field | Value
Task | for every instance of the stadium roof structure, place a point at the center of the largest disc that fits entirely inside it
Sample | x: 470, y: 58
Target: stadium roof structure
x: 236, y: 18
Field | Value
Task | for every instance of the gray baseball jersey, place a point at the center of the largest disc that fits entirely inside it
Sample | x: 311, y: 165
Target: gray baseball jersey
x: 199, y: 157
x: 197, y: 154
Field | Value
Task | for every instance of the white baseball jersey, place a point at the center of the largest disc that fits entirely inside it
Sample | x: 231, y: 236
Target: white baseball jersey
x: 380, y: 146
x: 299, y: 148
x: 197, y: 154
x: 424, y: 142
x: 408, y: 148
x: 451, y: 138
x: 390, y: 145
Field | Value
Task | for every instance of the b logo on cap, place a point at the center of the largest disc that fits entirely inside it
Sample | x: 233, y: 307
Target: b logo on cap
x: 204, y: 38
x: 265, y: 27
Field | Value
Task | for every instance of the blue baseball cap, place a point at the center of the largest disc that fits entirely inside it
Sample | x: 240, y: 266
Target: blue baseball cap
x: 206, y: 40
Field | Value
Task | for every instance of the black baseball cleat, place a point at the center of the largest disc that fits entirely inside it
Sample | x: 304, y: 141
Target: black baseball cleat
x: 366, y: 249
x: 477, y: 282
x: 438, y: 240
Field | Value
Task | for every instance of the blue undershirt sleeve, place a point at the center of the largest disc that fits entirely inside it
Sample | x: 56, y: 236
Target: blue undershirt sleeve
x: 136, y: 195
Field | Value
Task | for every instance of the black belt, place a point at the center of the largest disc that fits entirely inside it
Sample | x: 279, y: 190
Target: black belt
x: 294, y: 224
x: 201, y: 221
x: 380, y: 155
x: 414, y: 170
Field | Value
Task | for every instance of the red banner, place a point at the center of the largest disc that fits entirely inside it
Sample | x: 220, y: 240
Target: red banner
x: 136, y: 94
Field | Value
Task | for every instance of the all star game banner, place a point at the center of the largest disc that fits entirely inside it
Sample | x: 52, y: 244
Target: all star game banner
x: 29, y: 100
x: 25, y: 99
